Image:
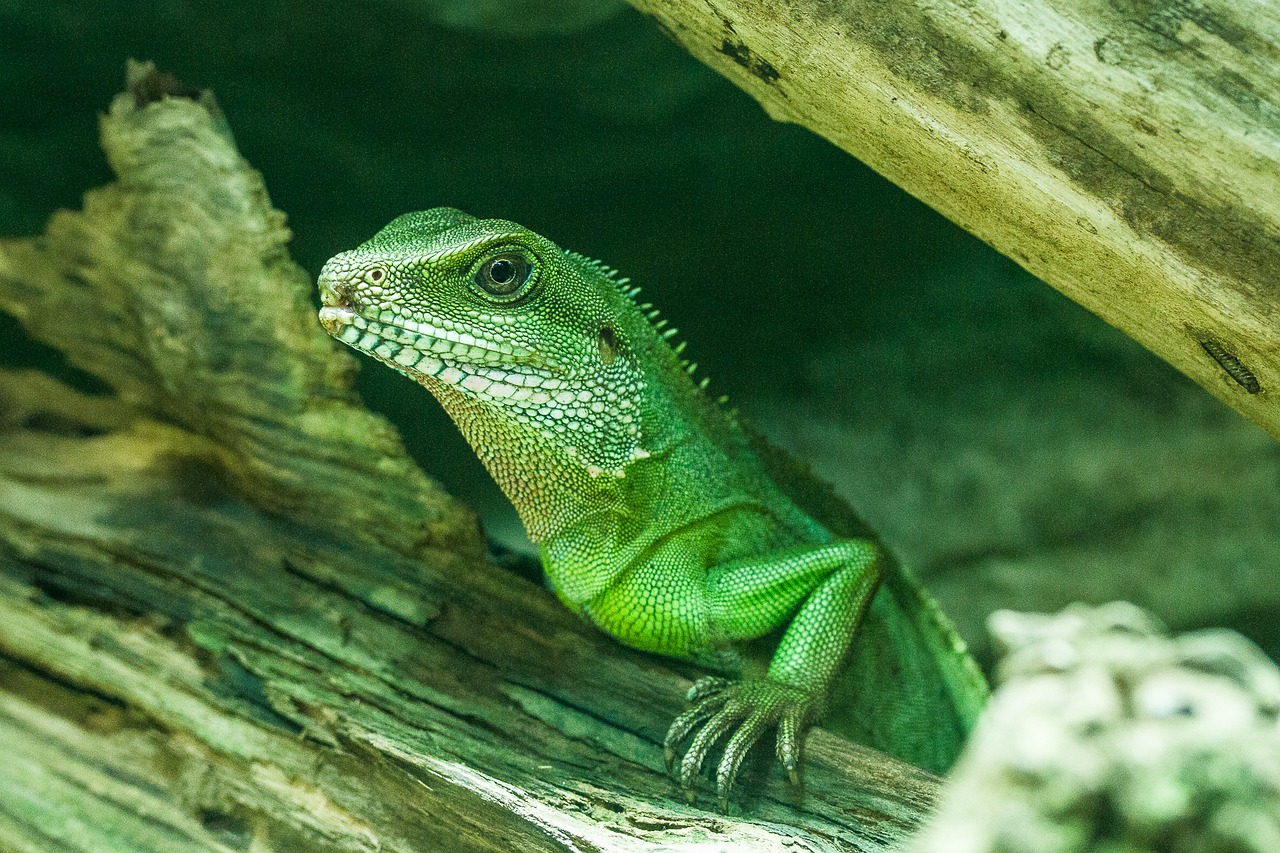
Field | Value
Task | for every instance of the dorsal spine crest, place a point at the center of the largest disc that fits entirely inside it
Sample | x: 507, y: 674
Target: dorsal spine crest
x: 660, y: 324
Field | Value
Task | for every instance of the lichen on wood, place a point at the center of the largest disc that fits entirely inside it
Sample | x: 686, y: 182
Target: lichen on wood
x: 1107, y: 734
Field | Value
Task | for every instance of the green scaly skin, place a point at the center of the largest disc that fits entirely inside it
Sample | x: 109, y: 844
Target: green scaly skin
x: 659, y: 518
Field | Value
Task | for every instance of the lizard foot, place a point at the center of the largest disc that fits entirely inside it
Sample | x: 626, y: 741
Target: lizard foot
x: 748, y: 708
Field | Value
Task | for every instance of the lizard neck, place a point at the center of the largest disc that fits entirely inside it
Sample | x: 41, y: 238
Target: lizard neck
x: 555, y: 485
x: 551, y: 488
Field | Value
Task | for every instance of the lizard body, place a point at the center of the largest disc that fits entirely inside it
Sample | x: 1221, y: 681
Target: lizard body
x: 658, y: 516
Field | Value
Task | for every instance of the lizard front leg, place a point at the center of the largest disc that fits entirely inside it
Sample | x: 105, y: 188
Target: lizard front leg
x: 832, y: 586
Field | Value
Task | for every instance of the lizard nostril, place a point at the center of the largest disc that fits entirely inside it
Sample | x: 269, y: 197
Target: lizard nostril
x: 375, y: 275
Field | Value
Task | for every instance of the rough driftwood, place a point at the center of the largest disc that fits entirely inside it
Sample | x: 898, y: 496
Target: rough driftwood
x: 1127, y: 152
x: 235, y: 616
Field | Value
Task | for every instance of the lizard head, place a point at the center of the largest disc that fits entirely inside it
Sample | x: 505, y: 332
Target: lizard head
x: 498, y: 322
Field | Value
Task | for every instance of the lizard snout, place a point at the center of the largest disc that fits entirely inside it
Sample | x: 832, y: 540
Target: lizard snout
x: 336, y: 289
x: 341, y: 284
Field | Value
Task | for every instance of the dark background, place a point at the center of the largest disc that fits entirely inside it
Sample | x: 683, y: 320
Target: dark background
x: 1014, y: 449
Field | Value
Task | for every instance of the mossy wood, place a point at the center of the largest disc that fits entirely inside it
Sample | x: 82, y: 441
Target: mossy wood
x: 234, y: 615
x: 1126, y: 152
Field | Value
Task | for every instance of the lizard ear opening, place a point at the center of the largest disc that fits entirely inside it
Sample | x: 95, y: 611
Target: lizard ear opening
x: 608, y: 343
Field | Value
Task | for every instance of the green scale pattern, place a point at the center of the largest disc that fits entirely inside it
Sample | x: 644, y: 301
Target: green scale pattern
x: 659, y: 518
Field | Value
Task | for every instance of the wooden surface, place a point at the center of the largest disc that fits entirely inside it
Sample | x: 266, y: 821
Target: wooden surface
x: 1126, y: 152
x: 235, y: 616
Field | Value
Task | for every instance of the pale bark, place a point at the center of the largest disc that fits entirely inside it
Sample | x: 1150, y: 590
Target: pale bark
x: 1125, y: 151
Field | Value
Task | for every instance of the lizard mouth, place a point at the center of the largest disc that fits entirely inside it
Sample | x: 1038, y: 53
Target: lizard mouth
x: 423, y: 349
x: 335, y: 318
x: 352, y: 328
x: 426, y: 358
x: 339, y: 310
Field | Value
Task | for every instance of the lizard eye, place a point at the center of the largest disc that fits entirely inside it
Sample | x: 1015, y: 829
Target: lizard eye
x: 504, y: 274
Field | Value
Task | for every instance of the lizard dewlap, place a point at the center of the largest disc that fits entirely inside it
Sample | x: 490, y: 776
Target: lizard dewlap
x: 659, y: 517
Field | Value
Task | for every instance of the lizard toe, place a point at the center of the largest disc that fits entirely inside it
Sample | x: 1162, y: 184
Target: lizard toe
x: 703, y: 742
x: 735, y: 751
x: 683, y: 725
x: 747, y: 709
x: 708, y: 686
x: 790, y: 743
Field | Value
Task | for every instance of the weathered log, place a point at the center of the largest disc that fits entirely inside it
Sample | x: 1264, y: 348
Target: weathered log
x: 234, y: 615
x: 1127, y: 153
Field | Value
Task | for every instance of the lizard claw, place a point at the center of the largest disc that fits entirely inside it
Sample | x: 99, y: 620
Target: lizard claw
x: 747, y: 709
x: 790, y: 728
x: 703, y: 741
x: 707, y: 701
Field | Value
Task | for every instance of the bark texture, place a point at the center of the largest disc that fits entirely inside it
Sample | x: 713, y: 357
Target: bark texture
x: 235, y: 616
x: 1127, y: 152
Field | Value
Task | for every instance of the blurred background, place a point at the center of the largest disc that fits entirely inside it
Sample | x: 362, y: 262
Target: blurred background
x: 1012, y: 448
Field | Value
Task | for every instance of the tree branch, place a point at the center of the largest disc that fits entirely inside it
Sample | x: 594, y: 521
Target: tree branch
x: 1126, y: 153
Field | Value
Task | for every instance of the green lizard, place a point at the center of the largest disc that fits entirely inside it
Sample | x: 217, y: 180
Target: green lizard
x: 659, y: 517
